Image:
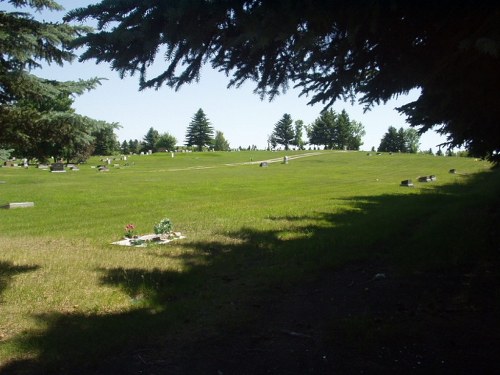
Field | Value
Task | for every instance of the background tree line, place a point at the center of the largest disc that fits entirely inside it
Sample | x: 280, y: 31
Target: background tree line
x: 333, y: 131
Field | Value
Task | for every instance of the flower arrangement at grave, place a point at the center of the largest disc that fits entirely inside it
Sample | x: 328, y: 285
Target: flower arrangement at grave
x: 129, y: 230
x: 163, y: 233
x: 164, y: 228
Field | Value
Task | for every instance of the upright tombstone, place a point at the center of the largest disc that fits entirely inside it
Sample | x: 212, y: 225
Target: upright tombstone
x: 407, y: 183
x: 285, y: 160
x: 263, y: 164
x: 10, y: 163
x: 57, y: 167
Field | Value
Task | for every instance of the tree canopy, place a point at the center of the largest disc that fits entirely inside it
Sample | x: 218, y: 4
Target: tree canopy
x: 220, y: 142
x: 35, y: 113
x: 336, y: 131
x: 166, y: 141
x: 370, y: 51
x: 402, y: 140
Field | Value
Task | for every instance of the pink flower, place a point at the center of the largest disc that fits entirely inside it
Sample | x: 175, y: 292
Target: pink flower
x: 129, y: 230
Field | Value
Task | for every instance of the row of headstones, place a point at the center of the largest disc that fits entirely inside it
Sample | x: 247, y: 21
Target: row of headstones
x: 13, y: 163
x: 59, y: 167
x: 424, y: 179
x: 420, y: 179
x: 265, y: 163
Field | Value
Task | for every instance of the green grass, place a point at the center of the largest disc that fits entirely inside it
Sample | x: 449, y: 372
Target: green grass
x: 65, y: 292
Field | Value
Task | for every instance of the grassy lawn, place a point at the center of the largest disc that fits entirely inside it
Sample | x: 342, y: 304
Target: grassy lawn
x: 68, y: 298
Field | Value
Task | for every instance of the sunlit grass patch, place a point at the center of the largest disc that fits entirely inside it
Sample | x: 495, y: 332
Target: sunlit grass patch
x: 249, y: 231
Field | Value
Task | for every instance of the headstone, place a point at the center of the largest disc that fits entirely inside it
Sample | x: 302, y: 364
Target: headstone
x: 285, y: 160
x: 42, y: 166
x: 432, y: 177
x: 18, y: 205
x: 408, y: 183
x: 57, y: 167
x: 263, y: 164
x: 103, y: 168
x: 453, y: 171
x: 424, y: 179
x: 10, y: 163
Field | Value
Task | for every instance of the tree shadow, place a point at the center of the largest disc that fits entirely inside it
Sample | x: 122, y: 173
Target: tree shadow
x: 9, y: 270
x: 226, y: 307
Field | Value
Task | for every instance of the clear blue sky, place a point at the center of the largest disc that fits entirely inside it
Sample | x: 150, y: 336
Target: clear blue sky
x: 239, y: 113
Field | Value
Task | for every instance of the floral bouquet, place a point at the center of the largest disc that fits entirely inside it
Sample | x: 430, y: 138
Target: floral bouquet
x: 165, y: 226
x: 129, y: 230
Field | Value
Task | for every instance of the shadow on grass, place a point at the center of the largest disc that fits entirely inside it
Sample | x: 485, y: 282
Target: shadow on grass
x: 234, y: 308
x: 9, y: 270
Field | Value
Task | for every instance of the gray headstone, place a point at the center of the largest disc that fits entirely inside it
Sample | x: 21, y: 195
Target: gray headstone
x: 263, y: 164
x: 407, y: 183
x: 57, y: 167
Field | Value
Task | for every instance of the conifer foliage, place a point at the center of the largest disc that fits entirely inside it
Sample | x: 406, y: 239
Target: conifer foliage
x: 199, y: 132
x: 331, y: 50
x: 36, y: 117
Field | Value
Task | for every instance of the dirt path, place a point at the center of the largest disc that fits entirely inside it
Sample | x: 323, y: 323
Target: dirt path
x: 269, y: 161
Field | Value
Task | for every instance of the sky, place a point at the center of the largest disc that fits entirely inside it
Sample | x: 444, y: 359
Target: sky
x: 239, y: 113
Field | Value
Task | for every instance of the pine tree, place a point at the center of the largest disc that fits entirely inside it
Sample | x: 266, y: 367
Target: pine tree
x: 199, y: 132
x: 390, y: 142
x: 150, y: 139
x: 298, y: 140
x: 35, y: 113
x: 283, y: 133
x: 125, y: 148
x: 322, y: 131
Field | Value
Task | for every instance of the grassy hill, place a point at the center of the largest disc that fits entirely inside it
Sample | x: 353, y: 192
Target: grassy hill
x: 322, y: 264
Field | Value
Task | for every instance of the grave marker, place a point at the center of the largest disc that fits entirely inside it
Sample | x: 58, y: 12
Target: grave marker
x: 57, y: 168
x: 18, y: 205
x: 407, y: 183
